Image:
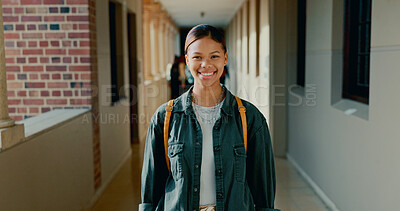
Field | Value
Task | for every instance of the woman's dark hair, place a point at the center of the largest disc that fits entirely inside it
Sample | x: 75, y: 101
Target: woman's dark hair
x: 204, y: 30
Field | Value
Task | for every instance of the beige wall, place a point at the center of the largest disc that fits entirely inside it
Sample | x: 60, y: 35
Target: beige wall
x: 243, y: 80
x: 52, y: 171
x: 352, y: 160
x: 114, y: 119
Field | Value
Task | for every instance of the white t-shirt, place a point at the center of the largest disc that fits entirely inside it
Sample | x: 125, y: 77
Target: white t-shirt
x: 207, y: 116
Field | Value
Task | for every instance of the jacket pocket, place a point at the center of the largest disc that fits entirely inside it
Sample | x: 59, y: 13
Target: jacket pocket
x: 240, y: 163
x: 176, y: 159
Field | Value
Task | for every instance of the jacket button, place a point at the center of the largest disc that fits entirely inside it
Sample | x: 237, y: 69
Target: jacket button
x: 219, y: 171
x: 195, y: 189
x: 198, y: 143
x: 216, y: 148
x: 196, y: 166
x: 220, y: 196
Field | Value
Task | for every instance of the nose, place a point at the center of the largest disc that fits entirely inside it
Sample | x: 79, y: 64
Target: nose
x: 205, y: 64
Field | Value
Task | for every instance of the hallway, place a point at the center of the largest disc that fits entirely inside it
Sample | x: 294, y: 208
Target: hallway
x: 123, y: 192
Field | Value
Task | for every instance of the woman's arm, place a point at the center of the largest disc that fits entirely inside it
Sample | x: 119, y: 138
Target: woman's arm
x: 261, y: 168
x: 154, y: 171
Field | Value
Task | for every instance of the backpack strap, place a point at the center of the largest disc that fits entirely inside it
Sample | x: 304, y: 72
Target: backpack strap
x: 242, y: 111
x: 168, y: 111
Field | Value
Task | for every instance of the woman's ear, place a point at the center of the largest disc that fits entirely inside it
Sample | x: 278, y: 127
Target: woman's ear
x: 186, y: 58
x: 226, y: 58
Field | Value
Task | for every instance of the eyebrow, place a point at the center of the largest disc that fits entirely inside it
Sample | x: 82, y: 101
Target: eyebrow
x: 210, y: 53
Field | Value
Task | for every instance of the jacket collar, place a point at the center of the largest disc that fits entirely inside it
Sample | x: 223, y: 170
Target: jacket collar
x: 184, y: 102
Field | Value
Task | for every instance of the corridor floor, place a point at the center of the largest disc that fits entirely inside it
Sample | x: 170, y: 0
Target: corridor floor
x: 123, y: 192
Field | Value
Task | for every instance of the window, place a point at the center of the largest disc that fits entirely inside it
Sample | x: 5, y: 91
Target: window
x: 301, y: 42
x: 116, y: 51
x: 357, y: 50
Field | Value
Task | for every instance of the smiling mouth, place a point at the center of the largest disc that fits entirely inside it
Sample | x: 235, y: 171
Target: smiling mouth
x: 207, y: 74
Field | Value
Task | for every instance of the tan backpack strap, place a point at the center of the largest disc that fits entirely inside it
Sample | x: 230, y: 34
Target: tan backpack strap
x: 168, y: 111
x: 242, y: 111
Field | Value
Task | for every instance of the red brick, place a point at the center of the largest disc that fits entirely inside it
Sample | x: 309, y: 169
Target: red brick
x: 18, y: 10
x: 10, y: 2
x: 10, y: 77
x: 15, y: 85
x: 21, y: 44
x: 57, y: 85
x: 44, y: 60
x: 87, y: 85
x: 32, y: 52
x: 67, y: 93
x: 67, y: 26
x: 13, y: 19
x: 78, y: 35
x: 54, y: 18
x: 20, y: 27
x: 55, y: 51
x: 56, y: 93
x: 76, y: 76
x: 22, y: 110
x: 32, y: 44
x: 35, y: 85
x: 10, y: 60
x: 13, y: 52
x: 45, y: 76
x: 44, y: 93
x: 21, y: 93
x: 56, y: 68
x: 79, y: 68
x: 11, y: 93
x: 34, y: 93
x: 30, y: 10
x: 56, y: 76
x: 85, y: 59
x: 66, y: 43
x: 13, y: 69
x: 46, y: 109
x: 86, y: 93
x: 33, y: 68
x: 55, y: 43
x: 31, y: 27
x: 11, y: 110
x: 83, y: 26
x: 33, y: 101
x: 80, y: 101
x: 32, y: 35
x: 33, y: 76
x: 56, y: 101
x: 9, y: 36
x: 78, y: 2
x: 17, y: 118
x: 67, y: 60
x: 78, y: 18
x: 44, y: 43
x: 79, y: 52
x: 29, y: 2
x: 85, y: 76
x: 84, y: 43
x: 7, y: 10
x: 32, y: 60
x: 53, y: 2
x: 33, y: 110
x: 31, y: 18
x: 55, y: 35
x: 14, y: 102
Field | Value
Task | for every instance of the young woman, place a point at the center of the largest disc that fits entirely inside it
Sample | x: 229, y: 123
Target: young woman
x: 209, y: 165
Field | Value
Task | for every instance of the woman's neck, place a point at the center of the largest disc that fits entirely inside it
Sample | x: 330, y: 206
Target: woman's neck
x: 207, y: 96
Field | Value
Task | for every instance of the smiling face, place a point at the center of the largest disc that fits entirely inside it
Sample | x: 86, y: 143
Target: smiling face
x: 206, y: 60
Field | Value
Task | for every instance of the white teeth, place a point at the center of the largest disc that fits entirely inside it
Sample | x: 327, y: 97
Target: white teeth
x: 207, y: 74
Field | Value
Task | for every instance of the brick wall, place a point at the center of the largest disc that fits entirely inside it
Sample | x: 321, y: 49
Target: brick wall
x: 47, y: 55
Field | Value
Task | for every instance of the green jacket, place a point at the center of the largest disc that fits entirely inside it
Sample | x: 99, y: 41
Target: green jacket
x: 244, y: 181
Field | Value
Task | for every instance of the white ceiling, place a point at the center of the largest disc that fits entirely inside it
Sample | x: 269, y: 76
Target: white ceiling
x: 186, y: 13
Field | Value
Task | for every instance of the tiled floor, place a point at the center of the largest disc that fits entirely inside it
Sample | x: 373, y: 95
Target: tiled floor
x: 123, y: 193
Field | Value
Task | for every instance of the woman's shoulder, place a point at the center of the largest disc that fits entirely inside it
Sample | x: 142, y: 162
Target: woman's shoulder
x: 255, y: 118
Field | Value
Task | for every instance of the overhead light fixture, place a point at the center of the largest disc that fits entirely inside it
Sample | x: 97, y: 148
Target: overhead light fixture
x: 201, y: 14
